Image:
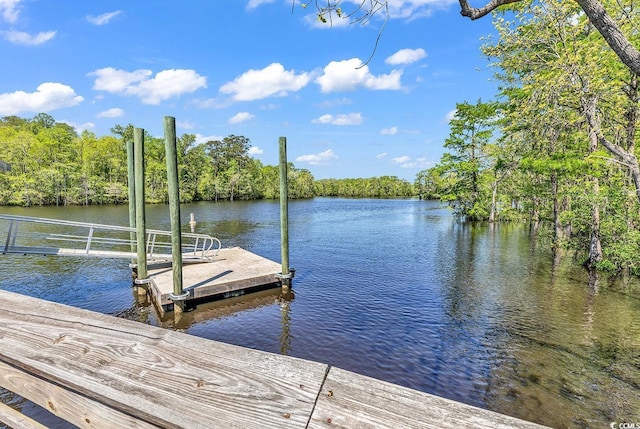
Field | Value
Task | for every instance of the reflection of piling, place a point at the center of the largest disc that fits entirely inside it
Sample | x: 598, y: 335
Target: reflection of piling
x: 178, y: 297
x: 192, y: 222
x: 141, y: 227
x: 285, y: 320
x: 286, y: 275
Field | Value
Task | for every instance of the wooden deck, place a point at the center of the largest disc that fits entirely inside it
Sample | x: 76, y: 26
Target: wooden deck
x: 99, y: 371
x: 232, y: 272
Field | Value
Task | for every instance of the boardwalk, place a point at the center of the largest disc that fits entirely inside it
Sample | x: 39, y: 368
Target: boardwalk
x: 98, y: 371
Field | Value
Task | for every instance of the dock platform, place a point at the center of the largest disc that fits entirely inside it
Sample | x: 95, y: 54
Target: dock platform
x: 99, y: 371
x: 233, y: 272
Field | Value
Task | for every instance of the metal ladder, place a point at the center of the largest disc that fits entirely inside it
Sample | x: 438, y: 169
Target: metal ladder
x: 41, y: 236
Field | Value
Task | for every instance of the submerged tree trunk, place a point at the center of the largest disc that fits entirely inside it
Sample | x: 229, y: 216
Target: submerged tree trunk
x: 556, y: 211
x: 492, y: 212
x: 595, y: 246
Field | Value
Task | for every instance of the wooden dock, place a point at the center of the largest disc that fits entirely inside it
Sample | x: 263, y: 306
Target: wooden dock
x: 232, y: 272
x: 98, y: 371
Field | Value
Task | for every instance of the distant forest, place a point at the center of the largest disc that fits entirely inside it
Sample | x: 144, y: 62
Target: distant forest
x: 51, y: 164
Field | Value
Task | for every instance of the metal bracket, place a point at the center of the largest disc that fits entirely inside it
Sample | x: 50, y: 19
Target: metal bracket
x: 182, y: 297
x: 290, y: 275
x: 142, y: 281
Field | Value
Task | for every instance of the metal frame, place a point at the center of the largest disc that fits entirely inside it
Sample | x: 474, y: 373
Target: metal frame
x: 100, y: 241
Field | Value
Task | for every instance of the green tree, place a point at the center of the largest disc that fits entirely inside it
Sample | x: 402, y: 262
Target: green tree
x: 472, y: 129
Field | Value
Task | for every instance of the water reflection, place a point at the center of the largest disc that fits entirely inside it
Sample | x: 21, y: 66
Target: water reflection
x: 396, y: 290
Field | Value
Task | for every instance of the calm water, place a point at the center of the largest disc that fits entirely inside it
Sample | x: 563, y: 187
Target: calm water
x: 397, y: 290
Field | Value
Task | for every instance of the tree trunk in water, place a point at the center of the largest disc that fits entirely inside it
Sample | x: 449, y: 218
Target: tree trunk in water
x: 595, y: 246
x: 556, y: 211
x: 492, y: 213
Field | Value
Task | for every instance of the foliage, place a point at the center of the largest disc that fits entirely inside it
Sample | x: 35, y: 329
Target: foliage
x: 53, y: 165
x: 561, y: 149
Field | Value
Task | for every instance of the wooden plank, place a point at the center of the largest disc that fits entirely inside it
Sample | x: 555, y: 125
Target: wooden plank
x: 164, y: 377
x: 350, y: 400
x: 16, y: 419
x: 74, y: 408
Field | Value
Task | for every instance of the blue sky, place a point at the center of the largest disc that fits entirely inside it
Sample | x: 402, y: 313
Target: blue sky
x: 256, y: 68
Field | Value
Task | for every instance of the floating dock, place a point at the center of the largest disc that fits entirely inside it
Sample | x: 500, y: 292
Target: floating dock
x: 99, y: 371
x: 232, y: 272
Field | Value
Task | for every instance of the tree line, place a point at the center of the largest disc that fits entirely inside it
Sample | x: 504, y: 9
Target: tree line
x: 557, y: 147
x: 51, y: 164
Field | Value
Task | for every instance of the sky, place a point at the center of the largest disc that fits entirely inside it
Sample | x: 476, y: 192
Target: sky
x: 353, y: 99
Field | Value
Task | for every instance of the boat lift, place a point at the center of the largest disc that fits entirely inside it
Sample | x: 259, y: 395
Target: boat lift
x: 82, y: 239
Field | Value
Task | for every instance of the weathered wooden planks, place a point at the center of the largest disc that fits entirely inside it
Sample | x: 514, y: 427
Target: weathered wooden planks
x: 350, y: 400
x: 97, y: 371
x: 16, y: 419
x: 162, y: 377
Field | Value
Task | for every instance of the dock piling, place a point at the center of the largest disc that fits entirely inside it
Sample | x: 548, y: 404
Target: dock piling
x: 131, y: 181
x: 287, y: 274
x: 178, y: 297
x: 141, y: 226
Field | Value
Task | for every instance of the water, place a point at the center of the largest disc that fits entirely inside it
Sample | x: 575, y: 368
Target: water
x: 397, y: 290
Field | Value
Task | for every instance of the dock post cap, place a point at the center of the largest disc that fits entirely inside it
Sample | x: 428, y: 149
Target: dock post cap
x: 181, y: 297
x: 142, y: 281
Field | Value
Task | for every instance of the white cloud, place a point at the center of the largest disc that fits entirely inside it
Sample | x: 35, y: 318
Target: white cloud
x: 348, y: 75
x: 412, y: 9
x: 241, y: 117
x: 252, y: 4
x: 401, y: 159
x: 389, y: 131
x: 329, y: 104
x: 48, y: 96
x: 9, y: 10
x: 321, y: 158
x: 255, y: 150
x: 210, y: 103
x: 382, y: 155
x: 114, y: 112
x: 408, y: 162
x: 22, y: 38
x: 272, y: 80
x: 342, y: 119
x: 185, y: 125
x: 406, y: 56
x: 104, y: 18
x: 203, y: 139
x: 449, y: 116
x: 151, y: 90
x: 87, y: 126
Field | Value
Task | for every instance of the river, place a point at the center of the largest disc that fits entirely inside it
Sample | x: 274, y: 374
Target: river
x: 397, y: 290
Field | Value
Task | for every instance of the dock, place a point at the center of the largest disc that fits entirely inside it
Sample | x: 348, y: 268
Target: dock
x: 99, y: 371
x: 234, y: 271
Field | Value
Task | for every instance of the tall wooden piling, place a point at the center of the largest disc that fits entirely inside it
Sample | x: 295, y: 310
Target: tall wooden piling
x: 141, y: 226
x: 178, y: 296
x: 132, y: 193
x: 285, y: 275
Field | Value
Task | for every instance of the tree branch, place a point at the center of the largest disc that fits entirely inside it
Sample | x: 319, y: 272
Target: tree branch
x: 478, y: 12
x: 611, y: 33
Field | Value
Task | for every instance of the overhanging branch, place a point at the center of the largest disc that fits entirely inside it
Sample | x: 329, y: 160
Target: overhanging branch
x: 478, y: 12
